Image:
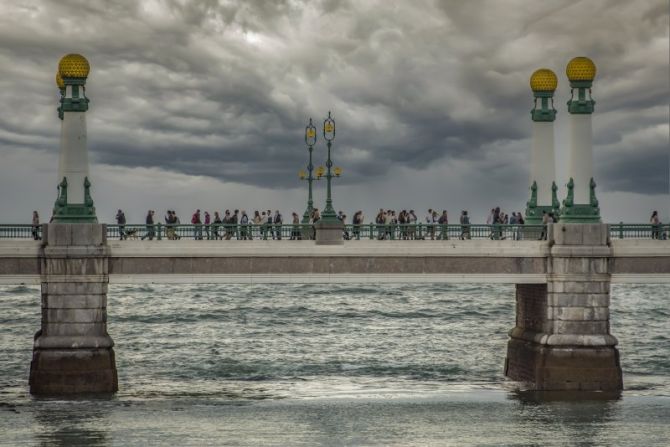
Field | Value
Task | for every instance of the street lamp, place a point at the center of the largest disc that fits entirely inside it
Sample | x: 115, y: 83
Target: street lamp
x: 310, y: 140
x: 329, y: 215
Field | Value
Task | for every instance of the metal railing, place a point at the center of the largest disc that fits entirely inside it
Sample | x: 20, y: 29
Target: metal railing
x: 443, y: 232
x: 211, y: 231
x: 369, y: 231
x: 20, y: 232
x: 639, y: 231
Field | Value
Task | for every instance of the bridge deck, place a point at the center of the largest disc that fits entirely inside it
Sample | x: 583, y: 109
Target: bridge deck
x: 258, y: 261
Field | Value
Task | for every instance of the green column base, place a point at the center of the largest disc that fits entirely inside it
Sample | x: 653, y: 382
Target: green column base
x: 580, y: 214
x: 74, y: 213
x: 534, y: 214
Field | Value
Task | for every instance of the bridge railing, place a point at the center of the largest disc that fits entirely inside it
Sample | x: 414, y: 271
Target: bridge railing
x: 443, y: 232
x: 639, y: 231
x: 369, y: 231
x: 20, y: 232
x: 210, y: 232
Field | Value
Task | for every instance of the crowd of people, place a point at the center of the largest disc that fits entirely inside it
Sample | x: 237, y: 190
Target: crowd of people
x: 388, y: 223
x: 266, y: 224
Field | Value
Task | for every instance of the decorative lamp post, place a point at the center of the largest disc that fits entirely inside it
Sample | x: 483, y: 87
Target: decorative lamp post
x: 581, y: 204
x: 329, y: 215
x: 310, y: 140
x: 543, y: 83
x: 329, y: 229
x: 74, y: 203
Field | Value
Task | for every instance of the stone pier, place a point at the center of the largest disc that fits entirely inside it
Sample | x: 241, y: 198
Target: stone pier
x: 562, y: 337
x: 73, y: 354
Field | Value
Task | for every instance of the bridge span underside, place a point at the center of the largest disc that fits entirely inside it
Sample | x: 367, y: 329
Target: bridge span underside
x: 561, y: 339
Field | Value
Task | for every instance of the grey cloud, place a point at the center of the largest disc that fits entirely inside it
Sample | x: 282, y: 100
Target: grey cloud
x: 224, y: 88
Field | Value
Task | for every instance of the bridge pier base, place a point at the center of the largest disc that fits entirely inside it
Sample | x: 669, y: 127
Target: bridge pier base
x: 561, y: 340
x: 72, y: 353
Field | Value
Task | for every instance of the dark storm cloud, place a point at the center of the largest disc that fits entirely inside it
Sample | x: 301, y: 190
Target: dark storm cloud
x: 224, y: 88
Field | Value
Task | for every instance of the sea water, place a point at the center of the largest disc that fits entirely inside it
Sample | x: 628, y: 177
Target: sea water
x: 292, y: 365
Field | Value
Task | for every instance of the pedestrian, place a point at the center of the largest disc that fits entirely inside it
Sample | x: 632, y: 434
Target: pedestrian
x: 234, y: 220
x: 316, y: 216
x: 257, y: 220
x: 402, y: 223
x: 245, y: 232
x: 357, y: 221
x: 217, y: 223
x: 345, y: 232
x: 429, y: 224
x: 36, y: 226
x: 278, y: 221
x: 379, y: 220
x: 149, y: 221
x: 465, y: 225
x: 655, y: 225
x: 490, y: 220
x: 514, y: 220
x: 545, y: 221
x: 411, y: 221
x: 295, y: 227
x: 197, y: 222
x: 208, y: 221
x: 443, y: 222
x: 120, y: 221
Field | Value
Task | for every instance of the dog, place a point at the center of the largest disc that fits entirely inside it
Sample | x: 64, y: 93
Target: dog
x: 131, y: 234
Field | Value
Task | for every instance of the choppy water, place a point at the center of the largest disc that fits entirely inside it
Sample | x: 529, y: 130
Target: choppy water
x: 335, y: 365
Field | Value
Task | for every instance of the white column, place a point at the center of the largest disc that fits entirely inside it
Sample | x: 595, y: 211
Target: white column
x: 542, y: 161
x: 581, y: 156
x: 74, y: 155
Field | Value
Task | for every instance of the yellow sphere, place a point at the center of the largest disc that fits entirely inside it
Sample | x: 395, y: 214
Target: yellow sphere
x: 59, y: 81
x: 581, y: 69
x: 543, y: 80
x: 73, y: 66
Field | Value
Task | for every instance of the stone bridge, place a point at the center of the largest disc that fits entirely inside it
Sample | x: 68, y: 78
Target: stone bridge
x: 561, y: 340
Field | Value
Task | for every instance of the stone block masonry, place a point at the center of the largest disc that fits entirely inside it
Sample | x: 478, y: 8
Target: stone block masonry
x: 562, y: 337
x: 73, y: 353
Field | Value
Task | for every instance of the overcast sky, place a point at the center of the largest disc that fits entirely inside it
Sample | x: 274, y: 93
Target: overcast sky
x: 203, y: 104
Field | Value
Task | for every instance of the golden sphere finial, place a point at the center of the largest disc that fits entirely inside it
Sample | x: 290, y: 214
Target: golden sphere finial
x: 581, y: 69
x: 59, y: 81
x: 543, y: 80
x: 73, y: 66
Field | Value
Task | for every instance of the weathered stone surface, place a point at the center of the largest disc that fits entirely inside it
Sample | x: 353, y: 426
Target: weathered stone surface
x: 579, y: 234
x: 73, y: 315
x: 73, y: 352
x: 561, y: 340
x: 578, y: 313
x: 578, y: 299
x: 561, y: 369
x: 58, y: 329
x: 659, y: 264
x: 329, y: 233
x: 74, y: 301
x: 580, y: 327
x: 75, y: 371
x: 74, y: 288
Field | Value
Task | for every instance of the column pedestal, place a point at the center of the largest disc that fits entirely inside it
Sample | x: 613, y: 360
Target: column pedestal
x: 561, y: 340
x: 73, y: 354
x: 329, y: 233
